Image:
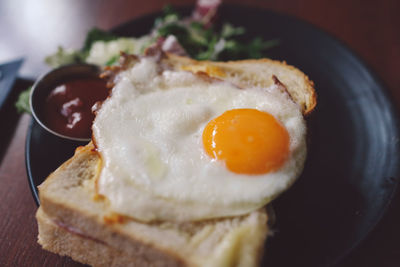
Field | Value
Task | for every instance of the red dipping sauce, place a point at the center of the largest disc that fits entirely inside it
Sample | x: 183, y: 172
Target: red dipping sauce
x: 68, y: 107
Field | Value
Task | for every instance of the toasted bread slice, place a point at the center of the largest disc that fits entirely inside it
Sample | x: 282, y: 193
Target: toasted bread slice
x: 246, y: 73
x: 74, y: 221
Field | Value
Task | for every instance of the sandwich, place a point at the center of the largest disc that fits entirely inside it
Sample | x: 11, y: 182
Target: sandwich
x: 184, y: 158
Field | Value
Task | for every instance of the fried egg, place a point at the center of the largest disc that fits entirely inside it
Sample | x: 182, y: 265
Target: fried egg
x: 178, y: 147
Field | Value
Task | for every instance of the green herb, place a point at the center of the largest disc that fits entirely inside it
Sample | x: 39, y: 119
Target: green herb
x: 210, y: 52
x: 173, y: 29
x: 113, y: 60
x: 169, y: 15
x: 254, y: 49
x: 63, y: 57
x: 199, y: 34
x: 22, y: 103
x: 169, y: 10
x: 95, y: 35
x: 229, y: 31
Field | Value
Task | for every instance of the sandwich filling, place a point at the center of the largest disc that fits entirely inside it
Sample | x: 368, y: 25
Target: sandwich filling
x: 178, y: 146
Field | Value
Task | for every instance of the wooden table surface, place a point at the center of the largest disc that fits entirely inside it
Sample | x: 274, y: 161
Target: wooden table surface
x: 33, y: 29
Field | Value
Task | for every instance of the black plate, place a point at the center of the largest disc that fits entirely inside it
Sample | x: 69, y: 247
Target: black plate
x: 352, y: 167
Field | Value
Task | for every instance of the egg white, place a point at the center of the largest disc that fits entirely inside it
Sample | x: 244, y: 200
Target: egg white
x: 149, y: 136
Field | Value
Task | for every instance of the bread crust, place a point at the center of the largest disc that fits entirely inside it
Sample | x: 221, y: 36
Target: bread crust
x: 303, y: 94
x: 88, y: 250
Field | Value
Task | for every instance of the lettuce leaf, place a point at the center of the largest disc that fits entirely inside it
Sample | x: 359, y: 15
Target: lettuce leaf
x: 22, y: 103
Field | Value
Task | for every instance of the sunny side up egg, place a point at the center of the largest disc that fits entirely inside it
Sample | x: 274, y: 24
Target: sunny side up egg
x: 178, y: 147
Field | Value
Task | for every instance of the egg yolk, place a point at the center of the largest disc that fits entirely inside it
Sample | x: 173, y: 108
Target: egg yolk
x: 249, y: 141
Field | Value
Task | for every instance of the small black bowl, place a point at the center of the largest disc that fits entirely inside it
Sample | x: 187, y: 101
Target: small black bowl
x: 49, y: 81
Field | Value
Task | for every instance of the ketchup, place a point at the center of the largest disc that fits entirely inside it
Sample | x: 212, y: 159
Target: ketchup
x: 68, y: 107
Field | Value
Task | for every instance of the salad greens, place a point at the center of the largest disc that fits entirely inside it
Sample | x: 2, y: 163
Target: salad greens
x: 199, y: 40
x: 194, y: 37
x: 210, y: 42
x: 22, y: 103
x: 64, y: 56
x: 95, y: 35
